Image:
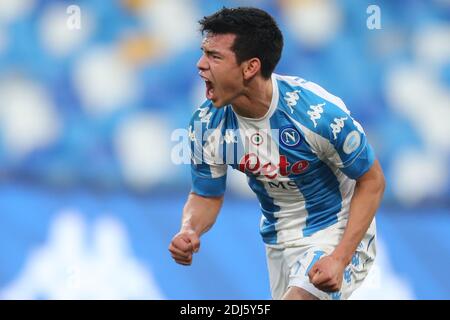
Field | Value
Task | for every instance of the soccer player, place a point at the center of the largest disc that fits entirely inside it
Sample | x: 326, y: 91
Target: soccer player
x: 306, y: 158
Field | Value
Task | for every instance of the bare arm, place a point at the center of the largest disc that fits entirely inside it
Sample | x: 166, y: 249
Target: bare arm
x: 199, y: 215
x: 366, y: 199
x: 327, y: 273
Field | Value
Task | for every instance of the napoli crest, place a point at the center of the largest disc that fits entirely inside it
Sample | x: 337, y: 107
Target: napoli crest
x: 290, y: 137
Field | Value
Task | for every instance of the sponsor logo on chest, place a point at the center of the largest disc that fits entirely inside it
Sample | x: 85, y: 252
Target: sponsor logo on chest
x: 251, y: 163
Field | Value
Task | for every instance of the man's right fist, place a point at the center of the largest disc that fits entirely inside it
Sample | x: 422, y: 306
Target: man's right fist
x: 183, y: 245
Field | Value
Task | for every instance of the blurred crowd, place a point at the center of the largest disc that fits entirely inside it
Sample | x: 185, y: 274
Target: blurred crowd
x: 90, y: 91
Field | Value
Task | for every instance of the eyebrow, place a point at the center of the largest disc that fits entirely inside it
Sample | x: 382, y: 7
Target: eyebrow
x: 211, y: 51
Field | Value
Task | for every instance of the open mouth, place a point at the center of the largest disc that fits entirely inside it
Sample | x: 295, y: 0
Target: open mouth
x: 209, y: 90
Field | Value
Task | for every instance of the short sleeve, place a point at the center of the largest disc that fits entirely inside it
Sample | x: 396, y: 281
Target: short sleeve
x: 208, y: 176
x: 330, y: 130
x: 347, y: 147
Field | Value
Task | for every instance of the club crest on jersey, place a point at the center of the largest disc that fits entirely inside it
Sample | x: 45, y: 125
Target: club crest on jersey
x: 290, y: 137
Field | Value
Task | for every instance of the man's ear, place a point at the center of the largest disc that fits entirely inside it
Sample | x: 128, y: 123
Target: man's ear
x: 251, y: 68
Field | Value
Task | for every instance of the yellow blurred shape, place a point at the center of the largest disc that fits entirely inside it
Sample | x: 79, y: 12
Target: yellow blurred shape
x: 139, y: 49
x: 293, y: 3
x: 135, y: 5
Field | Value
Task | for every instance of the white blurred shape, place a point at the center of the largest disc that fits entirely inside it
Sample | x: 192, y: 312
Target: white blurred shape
x: 28, y: 118
x: 418, y: 174
x: 68, y: 235
x: 104, y: 81
x: 432, y: 44
x: 109, y: 237
x: 421, y: 98
x: 56, y: 36
x: 382, y: 282
x: 67, y: 267
x: 171, y: 23
x: 314, y: 23
x: 111, y: 245
x: 11, y: 10
x: 143, y: 147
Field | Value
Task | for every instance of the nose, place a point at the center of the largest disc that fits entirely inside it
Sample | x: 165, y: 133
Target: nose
x: 202, y: 63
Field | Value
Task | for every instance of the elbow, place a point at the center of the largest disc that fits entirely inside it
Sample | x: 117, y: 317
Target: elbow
x: 380, y: 183
x: 373, y: 181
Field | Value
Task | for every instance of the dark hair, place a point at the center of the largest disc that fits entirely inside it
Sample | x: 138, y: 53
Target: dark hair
x: 257, y: 34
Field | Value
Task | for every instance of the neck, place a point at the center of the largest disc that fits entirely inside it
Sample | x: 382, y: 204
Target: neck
x: 255, y: 100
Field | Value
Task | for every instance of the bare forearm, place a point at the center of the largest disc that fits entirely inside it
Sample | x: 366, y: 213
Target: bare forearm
x: 200, y: 213
x: 366, y: 200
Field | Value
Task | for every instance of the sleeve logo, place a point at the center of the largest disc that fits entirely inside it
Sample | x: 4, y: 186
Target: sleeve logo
x: 352, y: 142
x: 337, y: 126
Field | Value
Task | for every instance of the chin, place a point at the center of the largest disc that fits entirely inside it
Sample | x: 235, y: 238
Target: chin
x: 218, y: 104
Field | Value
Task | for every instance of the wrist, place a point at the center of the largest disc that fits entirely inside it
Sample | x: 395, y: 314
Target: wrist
x: 188, y: 228
x: 342, y: 256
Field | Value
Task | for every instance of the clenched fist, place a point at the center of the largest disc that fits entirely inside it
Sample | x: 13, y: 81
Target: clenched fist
x: 183, y: 245
x: 327, y: 274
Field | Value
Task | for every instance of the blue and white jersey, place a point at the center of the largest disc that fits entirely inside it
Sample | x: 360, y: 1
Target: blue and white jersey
x: 301, y: 159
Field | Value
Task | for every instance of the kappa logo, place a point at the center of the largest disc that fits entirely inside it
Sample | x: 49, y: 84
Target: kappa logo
x: 191, y: 134
x: 348, y: 275
x: 230, y: 137
x: 290, y: 137
x: 355, y: 259
x: 316, y: 112
x: 336, y: 295
x: 291, y: 99
x: 204, y: 115
x: 337, y: 126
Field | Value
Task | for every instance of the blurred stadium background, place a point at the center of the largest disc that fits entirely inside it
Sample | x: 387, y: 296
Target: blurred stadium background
x: 89, y: 197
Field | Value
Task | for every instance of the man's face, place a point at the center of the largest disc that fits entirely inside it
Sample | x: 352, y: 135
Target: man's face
x: 218, y: 67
